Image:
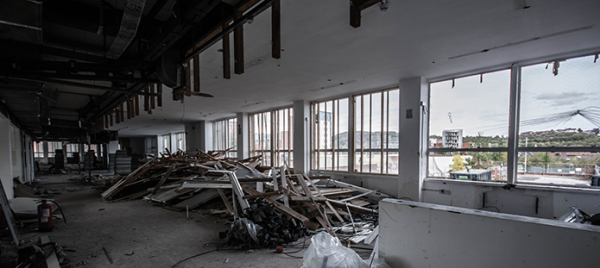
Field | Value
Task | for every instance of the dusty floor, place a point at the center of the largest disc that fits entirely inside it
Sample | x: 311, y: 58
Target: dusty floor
x: 141, y: 234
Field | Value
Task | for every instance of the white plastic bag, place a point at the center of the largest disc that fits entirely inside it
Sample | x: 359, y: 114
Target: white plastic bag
x: 327, y: 251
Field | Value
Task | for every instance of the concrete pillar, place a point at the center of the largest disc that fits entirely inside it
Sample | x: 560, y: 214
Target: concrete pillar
x: 198, y: 135
x: 45, y: 148
x: 301, y: 136
x: 413, y: 143
x: 243, y: 139
x: 6, y: 158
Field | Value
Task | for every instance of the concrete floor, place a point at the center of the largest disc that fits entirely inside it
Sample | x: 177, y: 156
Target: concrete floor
x: 141, y: 234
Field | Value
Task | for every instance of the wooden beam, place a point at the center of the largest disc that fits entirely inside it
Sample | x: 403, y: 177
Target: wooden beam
x: 226, y: 57
x: 128, y: 103
x: 153, y: 99
x: 159, y: 97
x: 137, y: 104
x: 188, y: 79
x: 110, y: 117
x: 197, y: 73
x: 122, y: 112
x: 238, y: 45
x: 356, y: 6
x: 118, y: 115
x: 146, y: 100
x: 276, y: 30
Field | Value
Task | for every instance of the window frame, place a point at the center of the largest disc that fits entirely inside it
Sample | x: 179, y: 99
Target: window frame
x: 316, y: 135
x: 225, y: 136
x: 273, y: 127
x: 513, y: 148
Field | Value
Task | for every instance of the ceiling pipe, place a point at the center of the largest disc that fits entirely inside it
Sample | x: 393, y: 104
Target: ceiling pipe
x: 132, y: 15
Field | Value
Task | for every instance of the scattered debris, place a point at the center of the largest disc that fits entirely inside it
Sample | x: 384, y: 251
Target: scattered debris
x: 271, y: 206
x: 107, y: 255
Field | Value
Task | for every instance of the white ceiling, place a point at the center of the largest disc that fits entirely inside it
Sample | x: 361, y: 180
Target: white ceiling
x: 324, y: 57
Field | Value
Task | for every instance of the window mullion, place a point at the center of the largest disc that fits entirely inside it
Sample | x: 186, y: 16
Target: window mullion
x: 513, y: 121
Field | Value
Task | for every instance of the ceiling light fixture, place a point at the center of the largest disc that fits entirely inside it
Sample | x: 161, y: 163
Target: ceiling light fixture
x: 384, y: 5
x: 250, y: 20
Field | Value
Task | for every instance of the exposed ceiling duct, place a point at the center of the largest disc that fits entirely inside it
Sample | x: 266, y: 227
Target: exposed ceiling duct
x: 132, y: 15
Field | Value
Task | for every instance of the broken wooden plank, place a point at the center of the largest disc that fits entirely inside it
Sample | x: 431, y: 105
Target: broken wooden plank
x: 337, y: 215
x: 261, y: 195
x: 353, y: 208
x: 237, y: 188
x: 206, y: 184
x: 225, y: 200
x: 357, y: 196
x: 198, y: 200
x: 51, y: 260
x: 163, y: 179
x: 306, y: 221
x: 308, y: 199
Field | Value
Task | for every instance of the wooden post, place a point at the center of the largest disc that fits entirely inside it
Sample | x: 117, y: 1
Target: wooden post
x: 159, y: 97
x: 197, y: 73
x: 146, y: 100
x: 276, y: 29
x: 238, y: 44
x: 226, y: 57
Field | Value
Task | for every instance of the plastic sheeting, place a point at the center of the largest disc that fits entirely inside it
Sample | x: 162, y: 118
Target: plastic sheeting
x: 326, y: 251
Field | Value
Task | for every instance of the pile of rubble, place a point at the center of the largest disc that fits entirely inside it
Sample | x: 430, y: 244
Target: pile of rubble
x: 271, y: 206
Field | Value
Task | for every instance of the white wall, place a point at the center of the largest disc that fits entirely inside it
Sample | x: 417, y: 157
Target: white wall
x: 551, y: 202
x: 6, y: 174
x: 413, y: 234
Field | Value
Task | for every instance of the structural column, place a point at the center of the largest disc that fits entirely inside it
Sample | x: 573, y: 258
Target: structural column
x: 413, y: 137
x: 6, y: 157
x: 198, y: 136
x: 301, y: 136
x: 243, y: 145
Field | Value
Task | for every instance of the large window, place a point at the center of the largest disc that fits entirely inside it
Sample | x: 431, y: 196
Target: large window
x: 225, y: 136
x: 165, y: 143
x: 559, y: 121
x: 271, y: 135
x: 330, y: 135
x: 38, y: 149
x: 71, y: 149
x: 180, y: 141
x: 468, y: 126
x: 376, y: 128
x: 553, y: 136
x: 52, y: 147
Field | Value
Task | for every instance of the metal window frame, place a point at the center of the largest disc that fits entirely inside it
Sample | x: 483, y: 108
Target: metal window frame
x: 355, y: 113
x: 270, y: 120
x: 335, y: 144
x: 512, y: 148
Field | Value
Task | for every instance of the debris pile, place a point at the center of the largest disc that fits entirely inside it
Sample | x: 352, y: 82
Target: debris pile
x: 276, y: 204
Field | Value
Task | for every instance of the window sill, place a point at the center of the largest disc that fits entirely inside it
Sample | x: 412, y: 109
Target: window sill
x: 554, y: 188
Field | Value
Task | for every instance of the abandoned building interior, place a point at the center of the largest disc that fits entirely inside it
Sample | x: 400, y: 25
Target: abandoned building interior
x: 444, y: 133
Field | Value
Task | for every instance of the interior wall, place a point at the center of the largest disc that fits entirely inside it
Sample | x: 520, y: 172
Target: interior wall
x: 542, y: 202
x: 16, y: 152
x: 6, y: 174
x: 413, y: 234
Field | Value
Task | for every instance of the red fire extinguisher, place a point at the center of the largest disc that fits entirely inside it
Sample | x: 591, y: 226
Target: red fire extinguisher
x: 45, y: 216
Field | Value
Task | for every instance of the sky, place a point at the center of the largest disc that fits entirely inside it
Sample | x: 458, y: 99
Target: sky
x: 482, y: 107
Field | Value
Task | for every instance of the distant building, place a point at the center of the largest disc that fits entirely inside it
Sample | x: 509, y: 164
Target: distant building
x: 452, y: 138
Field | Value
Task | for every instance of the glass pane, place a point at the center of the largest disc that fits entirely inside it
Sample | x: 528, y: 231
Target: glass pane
x: 376, y: 164
x: 566, y: 168
x: 366, y: 120
x: 376, y: 117
x: 341, y: 159
x: 358, y: 122
x: 470, y: 111
x: 342, y: 121
x: 392, y: 163
x: 357, y: 162
x: 394, y: 119
x: 481, y: 166
x: 560, y: 110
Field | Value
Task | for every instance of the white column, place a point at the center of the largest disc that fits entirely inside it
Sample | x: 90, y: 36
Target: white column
x: 413, y: 137
x: 198, y: 135
x: 5, y: 157
x: 243, y: 139
x: 301, y: 136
